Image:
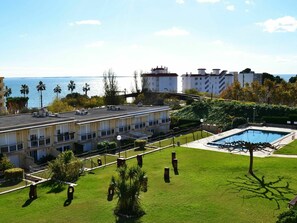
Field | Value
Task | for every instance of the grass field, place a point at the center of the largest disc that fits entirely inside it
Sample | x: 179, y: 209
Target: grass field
x: 289, y: 149
x: 210, y: 187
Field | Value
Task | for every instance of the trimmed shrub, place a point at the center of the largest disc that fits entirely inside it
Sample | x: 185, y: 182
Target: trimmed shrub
x: 238, y: 121
x: 5, y: 163
x: 140, y: 143
x: 14, y: 174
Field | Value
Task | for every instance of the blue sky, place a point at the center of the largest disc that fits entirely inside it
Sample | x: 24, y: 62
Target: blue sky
x: 87, y: 37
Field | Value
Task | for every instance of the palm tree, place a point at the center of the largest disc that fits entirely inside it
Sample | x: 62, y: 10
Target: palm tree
x: 86, y: 88
x: 24, y: 89
x: 71, y: 86
x: 128, y: 185
x: 7, y: 92
x: 57, y: 90
x: 40, y: 87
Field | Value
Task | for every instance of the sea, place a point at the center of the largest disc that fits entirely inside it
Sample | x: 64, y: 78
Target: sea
x: 96, y: 86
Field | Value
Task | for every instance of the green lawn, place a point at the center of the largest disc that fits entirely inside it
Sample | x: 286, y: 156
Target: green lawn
x: 289, y: 149
x: 210, y: 187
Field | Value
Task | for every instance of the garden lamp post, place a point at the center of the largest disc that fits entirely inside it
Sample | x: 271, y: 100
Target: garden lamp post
x: 201, y: 123
x: 119, y: 140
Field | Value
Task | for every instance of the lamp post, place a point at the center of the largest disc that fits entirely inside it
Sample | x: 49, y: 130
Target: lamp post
x: 119, y: 140
x: 254, y: 114
x: 201, y: 123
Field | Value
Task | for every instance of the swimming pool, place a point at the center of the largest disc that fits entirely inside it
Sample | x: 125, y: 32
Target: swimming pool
x: 251, y: 135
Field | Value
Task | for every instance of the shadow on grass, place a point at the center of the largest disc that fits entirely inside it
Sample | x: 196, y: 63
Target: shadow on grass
x: 54, y: 187
x: 274, y: 190
x: 67, y: 202
x: 27, y: 203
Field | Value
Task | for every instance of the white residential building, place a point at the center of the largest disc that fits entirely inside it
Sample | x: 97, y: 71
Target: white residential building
x: 247, y: 78
x: 160, y: 80
x: 214, y: 82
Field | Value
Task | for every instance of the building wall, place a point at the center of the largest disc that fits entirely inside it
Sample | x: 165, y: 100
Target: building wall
x: 244, y: 78
x: 31, y: 144
x: 213, y: 83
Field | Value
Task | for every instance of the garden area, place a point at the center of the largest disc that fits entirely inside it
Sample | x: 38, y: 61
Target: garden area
x: 208, y: 187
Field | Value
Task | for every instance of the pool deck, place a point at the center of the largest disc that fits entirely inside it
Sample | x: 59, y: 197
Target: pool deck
x: 202, y: 143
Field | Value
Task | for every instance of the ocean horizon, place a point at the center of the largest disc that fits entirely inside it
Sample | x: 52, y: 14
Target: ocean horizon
x: 95, y: 82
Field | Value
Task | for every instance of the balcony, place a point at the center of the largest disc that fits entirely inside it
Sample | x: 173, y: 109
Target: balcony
x: 124, y: 128
x: 108, y: 132
x: 11, y: 148
x: 87, y: 136
x: 40, y: 142
x: 64, y: 137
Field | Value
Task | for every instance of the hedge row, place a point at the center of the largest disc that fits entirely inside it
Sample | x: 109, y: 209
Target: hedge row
x: 14, y: 174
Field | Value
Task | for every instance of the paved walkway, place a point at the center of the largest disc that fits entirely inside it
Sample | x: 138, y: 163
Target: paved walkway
x: 203, y: 143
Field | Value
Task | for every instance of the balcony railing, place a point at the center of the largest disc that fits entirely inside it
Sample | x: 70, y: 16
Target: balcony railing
x: 124, y: 128
x: 87, y: 136
x: 40, y: 142
x: 11, y: 147
x: 64, y: 137
x: 107, y: 132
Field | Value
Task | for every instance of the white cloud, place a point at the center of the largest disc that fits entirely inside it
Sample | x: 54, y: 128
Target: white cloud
x: 249, y: 2
x: 95, y: 44
x: 208, y: 1
x: 230, y: 7
x: 283, y: 24
x: 180, y: 1
x: 174, y: 31
x: 86, y: 22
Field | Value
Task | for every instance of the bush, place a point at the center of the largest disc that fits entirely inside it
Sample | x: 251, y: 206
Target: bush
x: 107, y: 146
x: 14, y: 174
x: 5, y: 163
x: 140, y: 143
x: 289, y: 216
x: 66, y: 167
x: 238, y: 121
x: 45, y: 159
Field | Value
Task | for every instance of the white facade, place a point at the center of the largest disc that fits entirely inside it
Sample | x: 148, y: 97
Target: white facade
x: 160, y: 80
x: 248, y: 78
x: 214, y: 82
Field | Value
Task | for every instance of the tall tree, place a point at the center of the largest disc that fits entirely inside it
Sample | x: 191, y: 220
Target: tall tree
x: 111, y: 96
x: 71, y: 86
x: 135, y: 77
x: 24, y: 89
x: 40, y: 88
x: 7, y: 92
x: 249, y: 147
x: 86, y: 88
x: 57, y: 90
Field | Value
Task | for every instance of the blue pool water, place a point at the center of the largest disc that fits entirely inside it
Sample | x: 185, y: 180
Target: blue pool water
x: 254, y: 136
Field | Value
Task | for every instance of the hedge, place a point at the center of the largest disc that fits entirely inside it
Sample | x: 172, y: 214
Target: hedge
x: 276, y: 119
x: 14, y: 174
x: 140, y: 143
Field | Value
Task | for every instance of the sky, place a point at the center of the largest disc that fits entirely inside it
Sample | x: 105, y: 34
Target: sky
x: 88, y: 37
